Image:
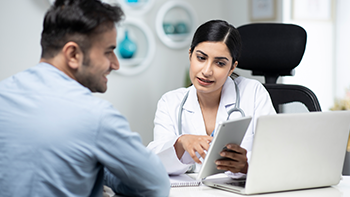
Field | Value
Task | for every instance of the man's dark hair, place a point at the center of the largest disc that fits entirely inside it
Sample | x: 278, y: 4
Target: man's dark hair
x: 78, y: 21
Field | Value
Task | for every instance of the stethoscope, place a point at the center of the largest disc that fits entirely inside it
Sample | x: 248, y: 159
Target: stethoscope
x: 235, y: 109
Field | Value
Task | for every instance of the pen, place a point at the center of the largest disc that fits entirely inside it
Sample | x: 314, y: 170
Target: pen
x: 212, y: 133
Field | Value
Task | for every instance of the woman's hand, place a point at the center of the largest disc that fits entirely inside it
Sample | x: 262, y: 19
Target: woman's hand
x: 192, y: 144
x: 235, y: 159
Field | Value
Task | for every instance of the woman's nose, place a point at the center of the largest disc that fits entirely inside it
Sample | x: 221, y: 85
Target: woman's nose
x: 207, y: 70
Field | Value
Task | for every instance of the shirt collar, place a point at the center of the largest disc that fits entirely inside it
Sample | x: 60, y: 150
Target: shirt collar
x: 228, y: 93
x: 191, y: 103
x: 228, y: 96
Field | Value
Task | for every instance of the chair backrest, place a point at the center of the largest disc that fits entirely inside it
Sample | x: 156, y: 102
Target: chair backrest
x: 272, y: 50
x: 283, y: 93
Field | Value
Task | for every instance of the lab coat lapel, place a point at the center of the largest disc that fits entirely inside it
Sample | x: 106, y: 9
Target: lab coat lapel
x: 227, y: 101
x: 193, y: 114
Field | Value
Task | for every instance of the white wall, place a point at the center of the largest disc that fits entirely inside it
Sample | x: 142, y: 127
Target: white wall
x: 136, y: 96
x: 237, y: 12
x: 21, y: 25
x: 342, y: 48
x: 316, y: 70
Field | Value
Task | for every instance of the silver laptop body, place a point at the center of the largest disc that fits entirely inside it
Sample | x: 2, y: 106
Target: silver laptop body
x: 293, y: 151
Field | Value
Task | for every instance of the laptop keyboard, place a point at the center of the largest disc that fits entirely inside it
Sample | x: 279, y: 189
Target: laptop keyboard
x: 236, y: 183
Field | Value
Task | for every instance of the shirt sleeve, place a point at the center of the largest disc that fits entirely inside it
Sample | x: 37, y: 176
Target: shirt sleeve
x: 165, y: 136
x: 130, y: 168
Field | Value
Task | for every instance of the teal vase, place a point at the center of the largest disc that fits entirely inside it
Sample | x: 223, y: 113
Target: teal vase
x: 181, y: 28
x: 127, y: 47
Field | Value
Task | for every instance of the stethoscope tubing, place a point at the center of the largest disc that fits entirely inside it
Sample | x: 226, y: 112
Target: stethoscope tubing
x: 236, y: 108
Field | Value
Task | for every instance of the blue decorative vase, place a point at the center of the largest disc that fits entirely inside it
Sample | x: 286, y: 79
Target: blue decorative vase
x: 168, y: 28
x: 132, y: 1
x: 181, y: 28
x: 127, y: 47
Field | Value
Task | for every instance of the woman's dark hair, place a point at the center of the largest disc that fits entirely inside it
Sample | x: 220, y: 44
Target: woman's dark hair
x: 78, y: 21
x: 219, y: 31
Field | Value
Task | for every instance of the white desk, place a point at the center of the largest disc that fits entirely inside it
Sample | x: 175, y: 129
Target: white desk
x: 340, y: 190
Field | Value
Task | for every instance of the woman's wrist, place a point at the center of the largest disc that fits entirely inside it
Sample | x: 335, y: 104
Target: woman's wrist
x: 179, y: 148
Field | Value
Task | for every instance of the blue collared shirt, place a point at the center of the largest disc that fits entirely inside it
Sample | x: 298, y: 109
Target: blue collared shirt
x: 57, y: 139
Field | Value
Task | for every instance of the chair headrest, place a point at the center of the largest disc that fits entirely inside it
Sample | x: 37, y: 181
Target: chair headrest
x: 271, y: 48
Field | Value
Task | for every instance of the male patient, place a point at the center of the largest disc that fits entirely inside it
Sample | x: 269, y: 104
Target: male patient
x: 56, y: 138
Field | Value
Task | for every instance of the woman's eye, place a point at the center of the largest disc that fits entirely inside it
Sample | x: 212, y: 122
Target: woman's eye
x: 221, y: 64
x: 200, y: 58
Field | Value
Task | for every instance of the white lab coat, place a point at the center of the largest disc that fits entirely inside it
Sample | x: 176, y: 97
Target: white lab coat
x: 255, y: 101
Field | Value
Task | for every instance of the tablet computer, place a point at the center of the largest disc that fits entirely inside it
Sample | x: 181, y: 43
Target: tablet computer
x: 230, y: 131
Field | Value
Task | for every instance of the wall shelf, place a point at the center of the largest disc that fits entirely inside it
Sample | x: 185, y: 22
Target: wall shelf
x: 174, y: 14
x: 136, y: 7
x: 143, y: 37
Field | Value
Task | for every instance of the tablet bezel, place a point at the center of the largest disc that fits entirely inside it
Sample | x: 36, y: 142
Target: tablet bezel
x: 229, y: 131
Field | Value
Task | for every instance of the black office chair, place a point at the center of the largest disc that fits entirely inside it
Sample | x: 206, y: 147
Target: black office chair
x: 272, y: 50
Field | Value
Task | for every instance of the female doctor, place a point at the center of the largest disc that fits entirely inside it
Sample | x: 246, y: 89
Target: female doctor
x: 186, y: 118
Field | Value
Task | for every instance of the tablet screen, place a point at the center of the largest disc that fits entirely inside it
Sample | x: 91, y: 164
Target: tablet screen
x: 230, y: 131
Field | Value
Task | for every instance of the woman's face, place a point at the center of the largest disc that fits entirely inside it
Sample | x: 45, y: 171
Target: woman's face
x: 211, y: 64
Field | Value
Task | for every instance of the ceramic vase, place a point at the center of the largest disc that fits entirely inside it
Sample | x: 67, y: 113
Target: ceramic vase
x: 132, y: 1
x: 127, y: 47
x: 181, y: 28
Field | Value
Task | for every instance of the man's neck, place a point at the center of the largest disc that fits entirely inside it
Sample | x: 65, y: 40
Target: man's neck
x: 60, y: 65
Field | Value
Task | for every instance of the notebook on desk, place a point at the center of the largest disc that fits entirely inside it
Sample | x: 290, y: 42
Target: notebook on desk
x: 293, y: 151
x: 183, y: 180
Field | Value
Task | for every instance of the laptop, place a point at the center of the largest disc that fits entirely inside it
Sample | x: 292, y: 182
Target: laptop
x: 293, y: 151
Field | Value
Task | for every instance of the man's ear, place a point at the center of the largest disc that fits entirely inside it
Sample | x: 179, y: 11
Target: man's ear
x: 73, y: 55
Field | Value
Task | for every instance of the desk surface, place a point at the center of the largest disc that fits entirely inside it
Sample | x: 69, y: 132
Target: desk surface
x: 342, y: 189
